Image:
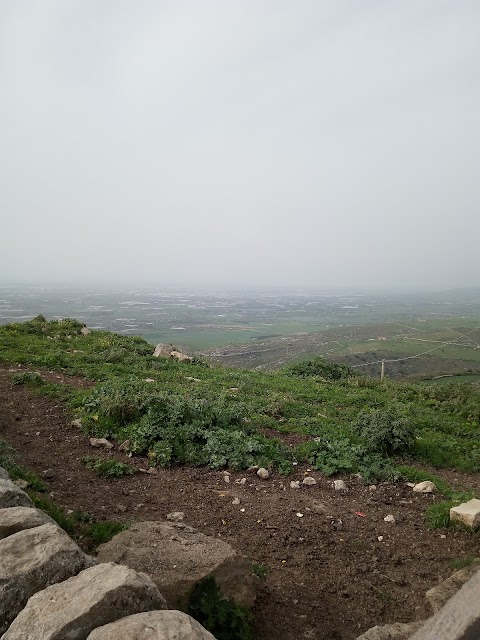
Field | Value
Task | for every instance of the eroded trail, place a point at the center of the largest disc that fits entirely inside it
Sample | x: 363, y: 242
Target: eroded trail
x: 328, y: 576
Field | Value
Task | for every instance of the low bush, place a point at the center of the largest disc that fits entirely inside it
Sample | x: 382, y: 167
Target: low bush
x: 108, y: 468
x: 320, y: 367
x: 389, y: 430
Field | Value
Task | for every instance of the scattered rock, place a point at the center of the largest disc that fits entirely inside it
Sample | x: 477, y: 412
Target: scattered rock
x: 372, y: 487
x: 85, y: 331
x: 380, y: 538
x: 31, y: 560
x: 389, y: 518
x: 125, y: 446
x: 101, y: 442
x: 318, y: 507
x: 226, y: 478
x: 339, y: 485
x: 236, y: 501
x: 14, y: 519
x: 159, y: 625
x: 241, y: 481
x: 308, y: 480
x: 175, y: 516
x: 93, y: 598
x: 148, y: 380
x: 76, y: 423
x: 152, y: 471
x: 181, y: 357
x: 192, y: 379
x: 425, y: 487
x: 48, y: 474
x: 13, y: 496
x: 177, y: 556
x: 468, y: 513
x: 299, y: 515
x: 440, y: 594
x: 263, y: 473
x: 295, y: 484
x: 253, y: 469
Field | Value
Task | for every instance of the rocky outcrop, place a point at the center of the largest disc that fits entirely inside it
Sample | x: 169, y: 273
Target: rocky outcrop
x: 16, y: 519
x: 177, y: 557
x: 75, y: 607
x: 12, y: 496
x: 158, y: 625
x: 439, y: 595
x: 396, y: 631
x: 31, y: 560
x: 170, y: 351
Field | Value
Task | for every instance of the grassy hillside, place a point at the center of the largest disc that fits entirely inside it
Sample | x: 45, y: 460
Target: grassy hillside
x: 200, y: 414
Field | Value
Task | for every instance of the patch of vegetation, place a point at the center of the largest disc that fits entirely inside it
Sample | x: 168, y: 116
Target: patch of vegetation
x: 103, y: 531
x: 199, y: 414
x: 462, y: 563
x: 260, y: 570
x: 321, y: 368
x: 437, y: 515
x: 223, y: 618
x: 30, y: 378
x: 388, y: 431
x: 108, y: 467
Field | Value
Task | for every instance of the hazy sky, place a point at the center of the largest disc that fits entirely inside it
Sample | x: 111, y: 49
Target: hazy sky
x: 285, y: 142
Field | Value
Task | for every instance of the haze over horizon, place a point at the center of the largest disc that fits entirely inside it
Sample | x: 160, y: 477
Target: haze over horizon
x: 290, y: 144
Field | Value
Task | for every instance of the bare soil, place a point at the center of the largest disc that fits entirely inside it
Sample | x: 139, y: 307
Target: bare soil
x: 329, y: 577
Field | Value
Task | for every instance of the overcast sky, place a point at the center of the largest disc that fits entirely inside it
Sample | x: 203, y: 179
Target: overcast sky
x: 285, y: 142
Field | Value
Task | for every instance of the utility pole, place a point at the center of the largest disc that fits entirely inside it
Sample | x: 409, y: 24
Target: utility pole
x: 382, y: 373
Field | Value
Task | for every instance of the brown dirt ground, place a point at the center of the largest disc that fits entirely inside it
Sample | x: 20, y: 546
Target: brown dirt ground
x: 328, y: 575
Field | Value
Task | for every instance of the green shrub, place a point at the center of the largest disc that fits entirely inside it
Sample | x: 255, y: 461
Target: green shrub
x: 438, y: 515
x: 320, y: 367
x: 108, y: 468
x: 31, y: 378
x: 223, y: 618
x: 387, y: 430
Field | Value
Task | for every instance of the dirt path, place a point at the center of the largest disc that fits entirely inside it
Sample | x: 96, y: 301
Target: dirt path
x: 328, y: 575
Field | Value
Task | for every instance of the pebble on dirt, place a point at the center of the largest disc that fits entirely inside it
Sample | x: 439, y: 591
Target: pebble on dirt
x: 295, y: 484
x: 263, y: 473
x: 101, y: 442
x: 389, y: 518
x: 175, y: 516
x: 339, y: 485
x: 309, y: 480
x: 424, y: 487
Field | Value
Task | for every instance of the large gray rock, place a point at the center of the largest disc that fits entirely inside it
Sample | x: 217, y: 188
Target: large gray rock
x: 3, y: 474
x: 395, y: 631
x: 459, y: 619
x: 177, y: 557
x: 154, y: 625
x: 14, y: 519
x: 12, y: 496
x: 32, y: 560
x: 93, y: 598
x: 439, y: 595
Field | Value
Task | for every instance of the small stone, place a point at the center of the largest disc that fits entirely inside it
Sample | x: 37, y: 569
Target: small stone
x: 372, y: 487
x: 253, y: 469
x: 318, y: 507
x: 149, y: 380
x: 380, y: 538
x: 410, y: 484
x: 101, y: 442
x: 263, y: 473
x: 226, y: 479
x: 122, y: 508
x: 443, y: 536
x: 48, y: 474
x: 308, y: 480
x: 241, y: 481
x: 424, y: 487
x: 85, y: 331
x: 125, y: 446
x: 339, y: 485
x: 152, y: 471
x: 77, y: 423
x: 299, y: 515
x: 175, y: 516
x: 236, y: 501
x: 389, y: 518
x: 242, y: 510
x: 295, y: 484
